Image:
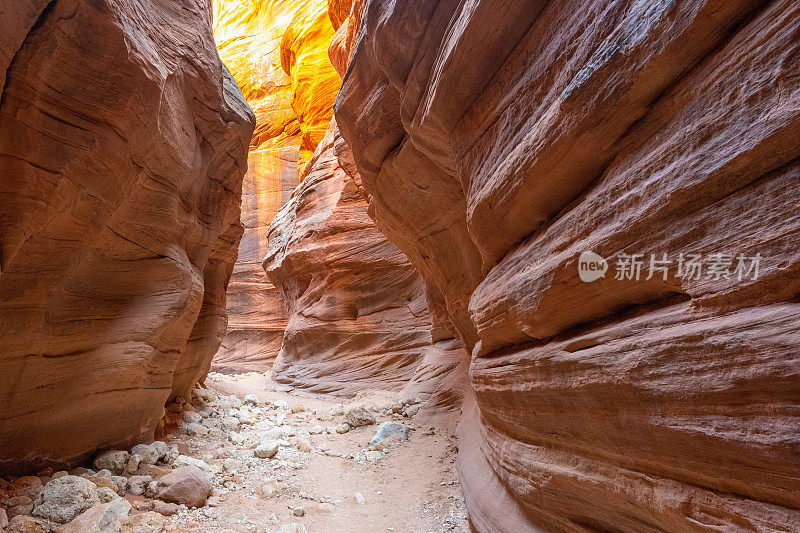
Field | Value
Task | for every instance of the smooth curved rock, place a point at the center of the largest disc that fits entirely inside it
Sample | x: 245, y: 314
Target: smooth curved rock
x: 122, y: 151
x: 276, y: 50
x: 497, y: 141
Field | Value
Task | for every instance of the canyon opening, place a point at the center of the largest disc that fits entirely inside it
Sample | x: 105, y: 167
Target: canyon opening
x: 412, y: 266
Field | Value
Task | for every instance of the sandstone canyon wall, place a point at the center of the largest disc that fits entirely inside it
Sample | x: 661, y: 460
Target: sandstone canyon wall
x: 499, y: 139
x: 123, y: 142
x: 358, y: 310
x: 277, y: 52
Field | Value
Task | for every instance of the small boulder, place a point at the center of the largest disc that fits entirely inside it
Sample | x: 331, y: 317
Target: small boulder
x: 115, y: 461
x: 342, y: 428
x: 192, y: 417
x: 151, y: 453
x: 196, y: 430
x: 337, y: 409
x: 251, y: 399
x: 64, y: 498
x: 266, y: 450
x: 3, y: 518
x: 390, y: 430
x: 298, y: 408
x: 358, y: 416
x: 316, y: 430
x: 231, y: 423
x: 102, y: 518
x: 138, y: 484
x: 411, y: 411
x: 187, y: 484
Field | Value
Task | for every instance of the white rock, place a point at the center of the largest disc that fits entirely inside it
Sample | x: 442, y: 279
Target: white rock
x: 342, y: 428
x: 316, y: 430
x: 337, y: 409
x: 266, y: 450
x: 197, y: 430
x: 192, y: 417
x: 231, y: 423
x: 251, y: 399
x: 185, y: 460
x: 390, y: 430
x: 64, y: 498
x: 151, y: 453
x: 360, y: 498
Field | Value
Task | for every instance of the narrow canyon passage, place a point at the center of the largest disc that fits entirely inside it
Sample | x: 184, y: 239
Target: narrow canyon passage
x: 422, y: 266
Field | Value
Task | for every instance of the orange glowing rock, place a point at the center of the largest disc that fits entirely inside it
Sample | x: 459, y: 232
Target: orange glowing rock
x: 277, y: 50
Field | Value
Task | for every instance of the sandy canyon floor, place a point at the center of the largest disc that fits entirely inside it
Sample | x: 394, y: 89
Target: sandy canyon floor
x: 333, y: 484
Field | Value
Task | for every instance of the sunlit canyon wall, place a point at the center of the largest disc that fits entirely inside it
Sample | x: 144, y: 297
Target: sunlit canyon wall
x: 499, y: 139
x: 358, y: 311
x: 123, y: 143
x: 277, y: 50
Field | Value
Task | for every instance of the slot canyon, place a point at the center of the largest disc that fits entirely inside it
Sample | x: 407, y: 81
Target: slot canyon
x: 309, y: 266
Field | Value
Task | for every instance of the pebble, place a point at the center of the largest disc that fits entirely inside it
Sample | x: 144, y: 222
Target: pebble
x: 266, y: 450
x: 360, y: 498
x: 251, y: 399
x: 299, y: 511
x: 316, y: 430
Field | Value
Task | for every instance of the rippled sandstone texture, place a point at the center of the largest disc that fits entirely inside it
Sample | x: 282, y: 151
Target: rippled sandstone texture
x: 277, y: 52
x: 358, y: 310
x: 499, y: 139
x: 123, y: 142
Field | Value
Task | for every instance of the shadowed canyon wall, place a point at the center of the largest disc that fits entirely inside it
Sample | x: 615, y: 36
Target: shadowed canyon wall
x: 122, y: 151
x: 277, y: 52
x: 499, y: 139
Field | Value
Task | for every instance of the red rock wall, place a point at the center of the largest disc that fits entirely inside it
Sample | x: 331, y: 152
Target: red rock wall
x: 358, y: 317
x: 123, y: 141
x: 497, y: 140
x: 277, y: 50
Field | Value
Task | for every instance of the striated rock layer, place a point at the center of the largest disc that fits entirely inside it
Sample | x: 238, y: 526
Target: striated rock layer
x: 359, y: 311
x: 122, y: 151
x: 277, y: 52
x: 358, y: 317
x: 498, y: 140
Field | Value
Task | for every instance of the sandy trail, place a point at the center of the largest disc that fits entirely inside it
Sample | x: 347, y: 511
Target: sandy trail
x: 412, y: 488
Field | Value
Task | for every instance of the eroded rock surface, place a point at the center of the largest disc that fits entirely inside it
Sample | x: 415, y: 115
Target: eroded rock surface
x: 358, y: 313
x: 122, y: 151
x: 277, y: 52
x: 497, y: 140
